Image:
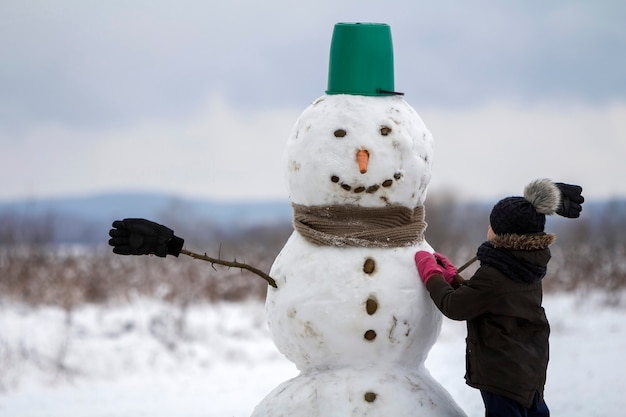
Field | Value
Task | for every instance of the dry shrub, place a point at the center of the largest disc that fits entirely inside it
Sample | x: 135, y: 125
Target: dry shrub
x: 590, y: 253
x: 49, y: 276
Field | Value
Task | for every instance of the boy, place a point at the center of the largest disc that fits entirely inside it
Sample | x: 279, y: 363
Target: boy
x: 507, y: 329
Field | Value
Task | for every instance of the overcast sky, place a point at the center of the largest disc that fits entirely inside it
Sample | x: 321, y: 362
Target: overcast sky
x: 197, y: 98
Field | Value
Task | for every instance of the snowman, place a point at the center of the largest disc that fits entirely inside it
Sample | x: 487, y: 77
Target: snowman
x: 345, y: 303
x: 348, y: 307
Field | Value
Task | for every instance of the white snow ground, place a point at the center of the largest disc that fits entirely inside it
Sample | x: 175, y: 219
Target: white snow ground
x: 136, y: 360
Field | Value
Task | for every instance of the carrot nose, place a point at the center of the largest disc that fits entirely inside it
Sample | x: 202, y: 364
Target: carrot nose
x: 362, y: 157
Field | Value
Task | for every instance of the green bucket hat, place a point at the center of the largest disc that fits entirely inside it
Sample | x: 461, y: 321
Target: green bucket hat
x: 361, y: 60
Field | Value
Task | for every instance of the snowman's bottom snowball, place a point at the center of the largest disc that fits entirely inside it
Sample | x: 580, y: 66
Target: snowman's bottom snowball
x: 367, y: 392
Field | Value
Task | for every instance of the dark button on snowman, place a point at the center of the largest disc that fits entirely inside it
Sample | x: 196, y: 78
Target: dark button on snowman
x: 349, y: 309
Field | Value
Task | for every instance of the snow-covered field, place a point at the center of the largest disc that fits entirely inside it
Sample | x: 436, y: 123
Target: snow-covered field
x: 154, y: 359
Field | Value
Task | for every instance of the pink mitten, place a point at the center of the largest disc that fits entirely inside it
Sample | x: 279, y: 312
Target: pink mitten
x: 427, y: 265
x: 449, y: 270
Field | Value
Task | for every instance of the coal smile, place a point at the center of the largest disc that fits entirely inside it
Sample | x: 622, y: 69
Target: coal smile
x: 362, y: 188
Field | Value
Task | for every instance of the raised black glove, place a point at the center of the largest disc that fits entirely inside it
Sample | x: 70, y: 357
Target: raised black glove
x: 571, y: 200
x: 143, y: 237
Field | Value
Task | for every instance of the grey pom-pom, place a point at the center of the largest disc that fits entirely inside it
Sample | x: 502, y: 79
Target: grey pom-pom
x: 544, y: 195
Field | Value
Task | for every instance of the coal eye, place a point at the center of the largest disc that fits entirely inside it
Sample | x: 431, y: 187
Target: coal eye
x: 385, y: 130
x: 339, y: 133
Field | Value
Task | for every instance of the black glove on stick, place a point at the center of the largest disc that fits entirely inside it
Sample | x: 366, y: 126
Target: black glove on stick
x: 143, y: 237
x: 571, y: 200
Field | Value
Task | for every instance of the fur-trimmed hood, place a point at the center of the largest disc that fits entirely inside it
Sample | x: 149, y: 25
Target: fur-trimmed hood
x: 532, y: 241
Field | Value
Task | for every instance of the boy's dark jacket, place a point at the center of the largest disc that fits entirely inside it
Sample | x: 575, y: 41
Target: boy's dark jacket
x: 507, y: 329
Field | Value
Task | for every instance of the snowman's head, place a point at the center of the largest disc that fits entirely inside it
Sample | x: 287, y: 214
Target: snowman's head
x: 359, y: 150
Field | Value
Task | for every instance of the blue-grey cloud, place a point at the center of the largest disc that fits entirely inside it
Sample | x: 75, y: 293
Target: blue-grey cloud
x: 112, y: 63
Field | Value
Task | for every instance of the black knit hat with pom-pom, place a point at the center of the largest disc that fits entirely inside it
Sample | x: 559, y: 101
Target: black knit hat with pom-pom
x: 524, y: 215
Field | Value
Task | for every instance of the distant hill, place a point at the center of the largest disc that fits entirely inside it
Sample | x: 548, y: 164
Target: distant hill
x: 87, y: 219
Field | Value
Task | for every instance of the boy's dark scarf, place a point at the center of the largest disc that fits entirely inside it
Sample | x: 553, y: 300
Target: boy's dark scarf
x: 377, y: 227
x: 498, y: 253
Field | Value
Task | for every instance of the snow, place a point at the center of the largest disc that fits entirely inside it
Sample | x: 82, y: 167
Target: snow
x: 149, y: 358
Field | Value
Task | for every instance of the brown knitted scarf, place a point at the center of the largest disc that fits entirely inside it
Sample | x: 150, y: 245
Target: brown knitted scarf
x: 384, y: 227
